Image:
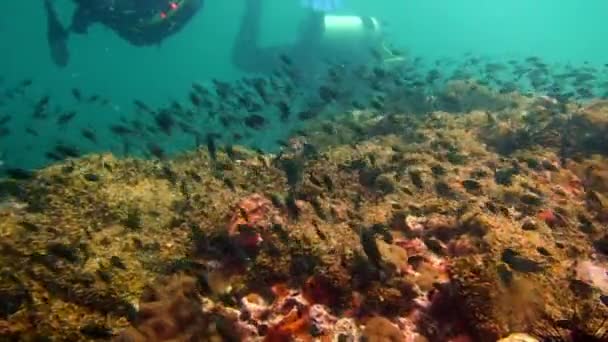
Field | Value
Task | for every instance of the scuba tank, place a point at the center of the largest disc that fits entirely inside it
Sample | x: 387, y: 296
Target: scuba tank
x: 357, y: 36
x: 345, y: 29
x: 345, y: 37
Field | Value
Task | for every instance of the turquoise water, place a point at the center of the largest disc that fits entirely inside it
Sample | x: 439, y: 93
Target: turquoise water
x: 568, y: 31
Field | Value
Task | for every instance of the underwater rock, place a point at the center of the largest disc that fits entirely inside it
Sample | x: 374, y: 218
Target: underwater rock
x: 505, y: 175
x: 601, y: 245
x: 133, y: 219
x: 531, y: 199
x: 63, y: 251
x: 415, y: 224
x: 443, y: 189
x: 12, y: 296
x: 252, y: 217
x: 96, y: 331
x: 172, y: 311
x: 321, y: 321
x: 379, y: 329
x: 254, y: 306
x: 519, y: 337
x: 393, y: 255
x: 529, y: 224
x: 472, y: 186
x: 593, y: 273
x: 385, y: 184
x: 346, y: 330
x: 598, y: 203
x: 419, y: 240
x: 91, y: 177
x: 368, y: 176
x: 416, y: 177
x: 438, y: 170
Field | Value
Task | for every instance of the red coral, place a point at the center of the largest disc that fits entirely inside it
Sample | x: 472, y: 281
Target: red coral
x: 294, y: 323
x: 318, y: 290
x: 253, y: 215
x: 550, y: 217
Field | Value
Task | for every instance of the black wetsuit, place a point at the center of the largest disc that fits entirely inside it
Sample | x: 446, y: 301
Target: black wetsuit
x: 140, y: 22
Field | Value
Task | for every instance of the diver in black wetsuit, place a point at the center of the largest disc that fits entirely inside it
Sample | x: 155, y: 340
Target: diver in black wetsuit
x: 140, y: 22
x: 322, y: 38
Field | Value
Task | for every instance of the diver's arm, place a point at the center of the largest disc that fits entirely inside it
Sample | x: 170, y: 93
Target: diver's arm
x: 82, y: 19
x: 246, y: 52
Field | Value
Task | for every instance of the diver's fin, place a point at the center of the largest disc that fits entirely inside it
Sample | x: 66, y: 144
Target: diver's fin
x: 57, y: 36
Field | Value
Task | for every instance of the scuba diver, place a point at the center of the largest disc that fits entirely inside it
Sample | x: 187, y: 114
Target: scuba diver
x: 140, y: 22
x: 323, y: 37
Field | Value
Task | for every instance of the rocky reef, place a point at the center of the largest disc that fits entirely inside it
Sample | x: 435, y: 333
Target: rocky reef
x: 434, y: 227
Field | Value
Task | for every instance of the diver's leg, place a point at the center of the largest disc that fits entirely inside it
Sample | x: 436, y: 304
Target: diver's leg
x: 57, y: 36
x: 308, y: 43
x: 312, y: 29
x: 246, y: 43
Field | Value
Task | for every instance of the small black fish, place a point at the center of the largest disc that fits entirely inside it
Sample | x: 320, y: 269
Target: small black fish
x: 77, y: 94
x: 308, y: 114
x: 255, y: 121
x: 196, y: 101
x: 222, y: 89
x: 66, y: 117
x: 285, y: 59
x: 67, y: 150
x: 156, y: 150
x: 43, y: 102
x: 186, y: 128
x: 5, y: 119
x: 199, y: 88
x: 604, y: 299
x: 41, y: 107
x: 142, y: 106
x: 176, y: 106
x: 95, y: 331
x: 520, y: 263
x: 164, y: 121
x: 259, y: 84
x: 226, y: 120
x: 26, y: 83
x: 327, y: 94
x: 53, y: 156
x: 211, y: 147
x: 31, y: 131
x: 89, y: 135
x: 117, y: 262
x: 19, y: 173
x: 284, y: 110
x: 120, y: 130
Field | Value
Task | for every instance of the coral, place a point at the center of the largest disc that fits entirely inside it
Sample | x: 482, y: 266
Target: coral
x: 321, y: 321
x: 594, y: 274
x: 251, y: 217
x: 518, y: 337
x: 170, y: 312
x: 450, y: 227
x: 380, y: 329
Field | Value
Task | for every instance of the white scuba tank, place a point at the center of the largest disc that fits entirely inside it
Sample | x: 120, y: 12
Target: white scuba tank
x: 349, y: 37
x: 351, y: 29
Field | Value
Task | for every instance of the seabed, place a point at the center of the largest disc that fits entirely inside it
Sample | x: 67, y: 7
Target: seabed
x: 438, y: 227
